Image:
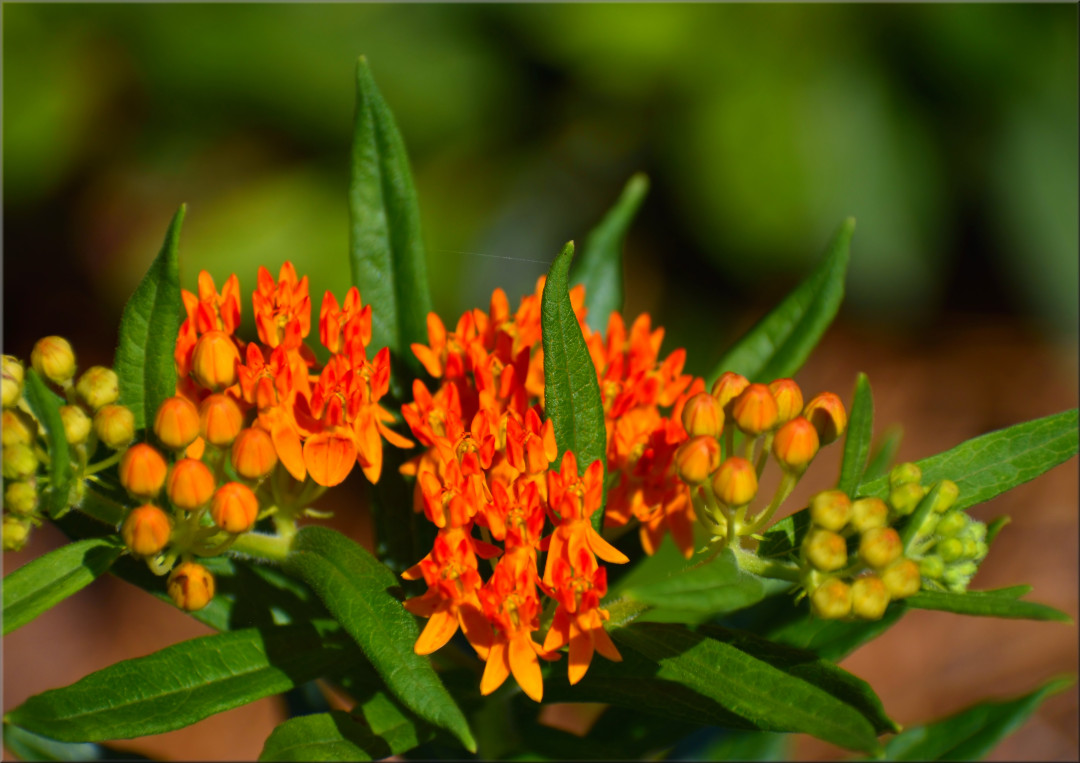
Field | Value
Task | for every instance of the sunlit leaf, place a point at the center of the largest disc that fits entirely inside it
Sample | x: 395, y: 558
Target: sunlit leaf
x: 986, y: 604
x: 334, y: 735
x: 860, y: 430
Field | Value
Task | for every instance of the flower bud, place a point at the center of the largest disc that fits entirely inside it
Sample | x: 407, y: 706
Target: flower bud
x: 729, y: 386
x: 832, y: 599
x: 950, y: 549
x: 902, y: 579
x: 951, y: 524
x: 17, y: 428
x: 932, y: 567
x: 789, y: 400
x: 12, y: 380
x: 824, y: 549
x: 190, y: 484
x: 20, y: 497
x: 98, y: 386
x: 754, y: 410
x: 77, y: 424
x: 902, y: 474
x: 981, y: 550
x: 234, y: 508
x: 53, y: 358
x: 735, y: 482
x: 115, y: 426
x: 20, y: 463
x: 928, y: 525
x: 869, y: 597
x: 795, y: 444
x: 146, y: 530
x: 970, y: 548
x: 880, y: 547
x: 957, y: 577
x: 176, y: 423
x: 142, y: 471
x: 214, y: 360
x: 253, y: 454
x: 191, y: 586
x: 220, y: 420
x: 906, y: 497
x: 975, y: 530
x: 16, y: 530
x: 868, y: 513
x: 702, y: 415
x: 830, y: 509
x: 826, y: 412
x: 948, y: 492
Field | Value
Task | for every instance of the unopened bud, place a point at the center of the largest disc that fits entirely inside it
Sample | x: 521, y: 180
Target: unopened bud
x: 832, y: 599
x: 191, y: 586
x: 53, y: 358
x: 826, y: 412
x: 974, y: 530
x: 220, y: 420
x: 795, y: 444
x: 214, y: 360
x: 957, y: 577
x: 928, y: 525
x: 77, y: 424
x: 142, y: 471
x: 98, y: 386
x: 754, y: 410
x: 253, y: 454
x: 789, y: 399
x: 902, y: 474
x: 906, y: 497
x: 729, y: 386
x: 702, y: 415
x: 948, y: 492
x: 902, y: 578
x: 17, y: 428
x: 869, y: 597
x: 234, y: 508
x: 868, y: 513
x: 952, y: 524
x: 16, y: 531
x: 735, y: 482
x: 20, y: 463
x: 20, y: 497
x: 11, y: 377
x: 880, y: 547
x: 190, y: 484
x: 696, y: 459
x: 950, y: 549
x: 115, y: 426
x: 932, y: 567
x: 146, y: 530
x: 176, y: 423
x: 830, y: 509
x: 824, y: 549
x: 981, y: 550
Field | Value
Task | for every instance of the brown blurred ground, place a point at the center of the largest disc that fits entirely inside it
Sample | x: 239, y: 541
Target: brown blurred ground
x: 968, y: 380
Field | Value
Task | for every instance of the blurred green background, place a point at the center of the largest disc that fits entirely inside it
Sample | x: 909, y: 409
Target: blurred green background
x: 949, y: 131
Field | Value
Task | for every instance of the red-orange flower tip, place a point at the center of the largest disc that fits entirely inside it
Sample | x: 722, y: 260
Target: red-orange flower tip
x: 190, y: 484
x: 697, y: 458
x: 146, y: 530
x: 253, y: 454
x: 789, y: 399
x: 735, y: 482
x: 191, y: 586
x: 754, y: 410
x: 826, y: 412
x: 142, y: 471
x: 795, y: 444
x: 234, y: 508
x: 703, y: 415
x: 729, y: 386
x: 215, y: 360
x: 176, y: 423
x: 220, y: 420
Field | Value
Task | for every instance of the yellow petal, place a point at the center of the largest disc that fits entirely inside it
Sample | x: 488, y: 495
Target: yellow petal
x: 497, y: 669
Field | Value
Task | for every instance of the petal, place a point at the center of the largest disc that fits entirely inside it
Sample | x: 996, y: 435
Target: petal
x: 497, y: 669
x: 287, y: 445
x: 603, y: 549
x: 439, y: 629
x: 329, y: 458
x: 477, y: 629
x: 526, y: 667
x: 581, y: 652
x: 559, y: 634
x: 602, y: 642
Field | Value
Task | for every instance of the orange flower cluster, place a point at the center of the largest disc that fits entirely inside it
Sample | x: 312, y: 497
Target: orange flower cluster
x: 320, y: 421
x: 488, y: 463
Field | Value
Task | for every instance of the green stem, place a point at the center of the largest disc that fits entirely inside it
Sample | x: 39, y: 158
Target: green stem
x: 102, y: 465
x: 763, y: 457
x: 783, y: 490
x: 270, y: 548
x: 767, y: 568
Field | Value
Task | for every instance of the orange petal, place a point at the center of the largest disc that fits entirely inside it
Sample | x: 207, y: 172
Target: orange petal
x: 603, y: 549
x: 581, y: 652
x: 287, y: 445
x: 423, y: 606
x: 526, y: 667
x: 428, y: 359
x: 602, y: 642
x: 559, y: 635
x: 439, y: 629
x: 477, y: 629
x: 329, y: 458
x: 497, y: 669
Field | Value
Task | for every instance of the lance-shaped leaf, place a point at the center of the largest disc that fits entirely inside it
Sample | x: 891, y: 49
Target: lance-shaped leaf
x: 857, y: 440
x: 148, y: 330
x: 183, y: 683
x: 43, y: 583
x: 571, y: 390
x: 386, y: 251
x: 335, y: 736
x: 29, y: 746
x: 780, y: 343
x: 1001, y: 603
x: 830, y: 639
x: 359, y: 592
x: 45, y: 404
x: 716, y: 678
x: 600, y: 266
x: 884, y: 452
x: 971, y: 733
x: 987, y: 466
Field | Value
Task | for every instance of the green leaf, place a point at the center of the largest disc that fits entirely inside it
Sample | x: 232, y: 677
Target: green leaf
x: 987, y: 466
x: 915, y: 520
x: 986, y: 604
x: 182, y: 684
x: 571, y: 390
x: 832, y: 639
x: 716, y: 677
x: 334, y: 736
x: 45, y: 405
x: 882, y: 457
x: 778, y: 344
x: 359, y: 592
x: 746, y: 745
x: 600, y: 266
x: 971, y: 733
x: 30, y: 746
x: 148, y: 330
x: 43, y: 583
x: 857, y: 440
x: 385, y: 245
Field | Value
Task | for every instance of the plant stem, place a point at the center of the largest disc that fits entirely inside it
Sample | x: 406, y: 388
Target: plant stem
x: 270, y: 548
x: 102, y: 465
x: 754, y: 564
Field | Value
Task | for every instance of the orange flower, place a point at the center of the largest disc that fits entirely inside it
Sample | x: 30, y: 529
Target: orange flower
x: 207, y: 312
x: 272, y: 388
x: 282, y: 309
x: 352, y: 320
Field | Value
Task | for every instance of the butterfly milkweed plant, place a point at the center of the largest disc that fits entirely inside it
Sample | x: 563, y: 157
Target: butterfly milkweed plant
x: 562, y: 514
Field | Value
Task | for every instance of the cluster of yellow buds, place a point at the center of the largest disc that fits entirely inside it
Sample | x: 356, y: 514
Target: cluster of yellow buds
x: 772, y: 419
x: 90, y: 416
